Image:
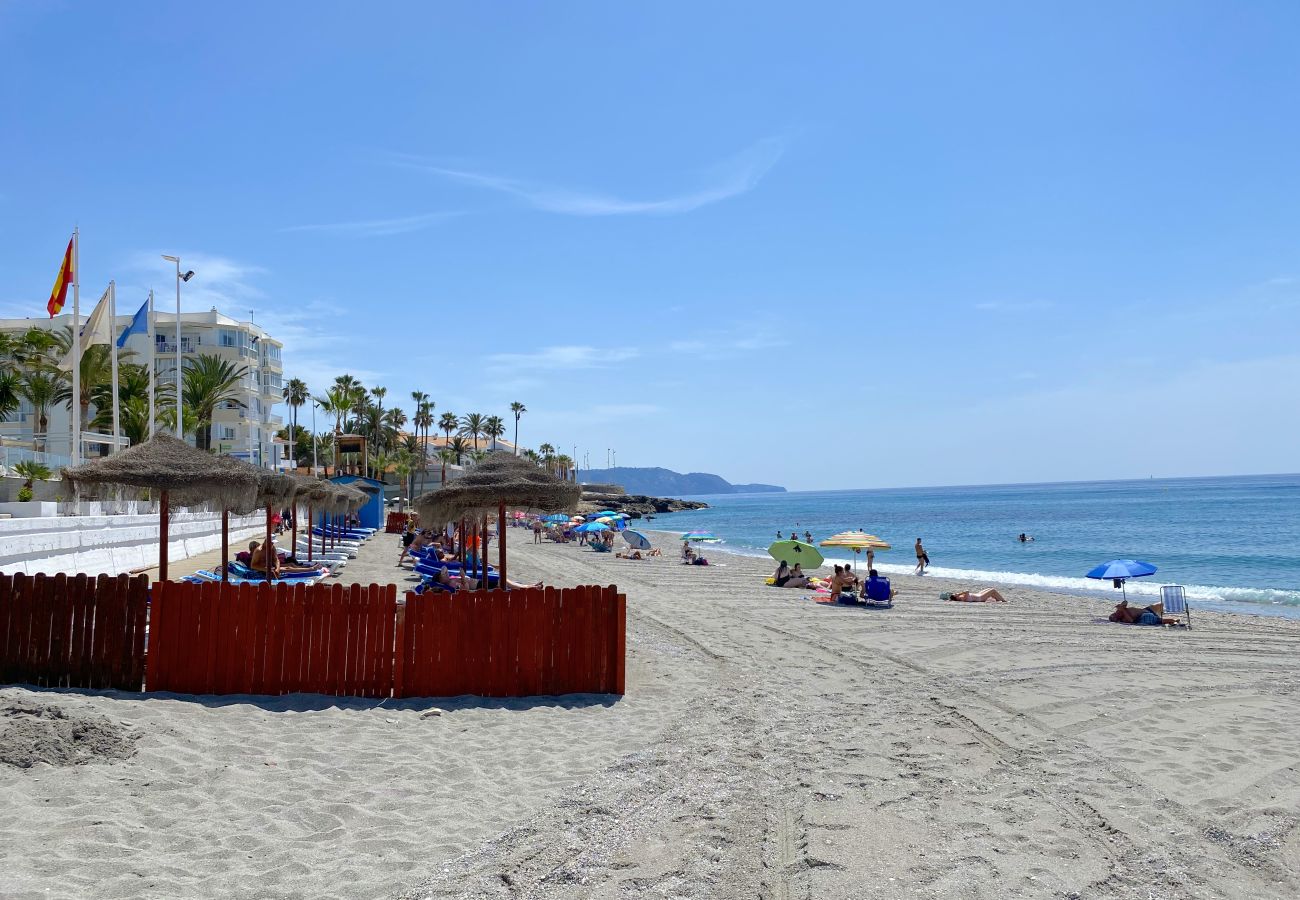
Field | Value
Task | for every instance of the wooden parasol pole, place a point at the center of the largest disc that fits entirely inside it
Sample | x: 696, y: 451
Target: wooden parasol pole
x: 501, y: 544
x: 163, y: 513
x: 225, y: 544
x: 268, y: 548
x: 309, y: 538
x: 483, y: 551
x: 293, y: 528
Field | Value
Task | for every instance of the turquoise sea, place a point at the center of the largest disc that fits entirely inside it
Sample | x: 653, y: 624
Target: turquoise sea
x: 1233, y: 542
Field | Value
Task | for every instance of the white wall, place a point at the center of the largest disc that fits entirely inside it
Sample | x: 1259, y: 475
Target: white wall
x: 114, y: 544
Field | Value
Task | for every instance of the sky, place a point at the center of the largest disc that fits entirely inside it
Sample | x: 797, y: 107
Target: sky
x: 823, y: 245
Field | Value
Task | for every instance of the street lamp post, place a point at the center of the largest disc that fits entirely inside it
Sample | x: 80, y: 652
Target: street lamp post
x: 180, y: 421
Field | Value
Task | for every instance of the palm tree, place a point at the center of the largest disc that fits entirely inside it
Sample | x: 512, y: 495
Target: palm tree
x: 448, y: 423
x: 446, y: 455
x: 494, y: 428
x: 532, y: 455
x: 459, y: 447
x: 423, y: 422
x: 42, y: 389
x: 394, y: 419
x: 419, y: 398
x: 11, y: 390
x: 379, y: 393
x: 472, y: 425
x: 296, y: 395
x: 30, y: 470
x: 402, y: 468
x: 133, y: 403
x: 562, y: 465
x: 548, y: 456
x: 209, y: 382
x: 95, y: 371
x: 518, y: 409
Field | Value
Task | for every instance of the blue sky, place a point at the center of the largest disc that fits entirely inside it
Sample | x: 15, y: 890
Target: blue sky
x: 823, y: 245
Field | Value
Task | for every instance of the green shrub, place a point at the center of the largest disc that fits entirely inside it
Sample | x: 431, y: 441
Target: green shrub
x: 24, y: 494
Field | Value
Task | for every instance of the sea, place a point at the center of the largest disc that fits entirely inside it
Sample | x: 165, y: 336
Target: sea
x: 1232, y: 542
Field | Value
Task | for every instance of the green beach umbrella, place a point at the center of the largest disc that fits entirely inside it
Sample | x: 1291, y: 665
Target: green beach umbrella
x: 791, y: 552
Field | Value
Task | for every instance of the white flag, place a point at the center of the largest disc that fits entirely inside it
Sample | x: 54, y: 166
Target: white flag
x: 97, y: 330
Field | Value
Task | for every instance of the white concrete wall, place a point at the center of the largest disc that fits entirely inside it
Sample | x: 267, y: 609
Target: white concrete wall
x: 114, y: 544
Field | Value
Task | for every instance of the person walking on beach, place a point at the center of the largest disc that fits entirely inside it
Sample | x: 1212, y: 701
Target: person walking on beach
x: 537, y: 531
x: 922, y: 558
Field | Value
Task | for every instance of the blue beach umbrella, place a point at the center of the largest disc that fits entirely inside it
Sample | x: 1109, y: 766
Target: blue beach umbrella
x: 636, y: 540
x: 699, y: 536
x: 1120, y: 570
x: 591, y: 527
x: 556, y: 518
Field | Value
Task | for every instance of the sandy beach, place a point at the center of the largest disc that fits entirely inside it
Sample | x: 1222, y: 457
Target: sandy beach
x: 768, y: 746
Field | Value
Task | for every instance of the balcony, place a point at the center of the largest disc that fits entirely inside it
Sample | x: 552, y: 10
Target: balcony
x: 187, y: 346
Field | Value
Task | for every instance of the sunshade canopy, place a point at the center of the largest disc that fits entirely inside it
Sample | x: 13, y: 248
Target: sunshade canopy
x: 791, y: 552
x: 856, y: 541
x: 191, y: 477
x: 636, y: 540
x: 501, y: 478
x: 1122, y: 568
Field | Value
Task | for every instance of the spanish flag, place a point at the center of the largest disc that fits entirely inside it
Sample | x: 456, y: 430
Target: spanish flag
x: 60, y: 292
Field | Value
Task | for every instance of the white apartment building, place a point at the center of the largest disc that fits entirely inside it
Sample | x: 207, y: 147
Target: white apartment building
x: 246, y: 431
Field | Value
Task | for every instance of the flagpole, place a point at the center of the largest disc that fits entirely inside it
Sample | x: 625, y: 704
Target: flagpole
x: 112, y: 349
x: 74, y: 451
x: 153, y: 349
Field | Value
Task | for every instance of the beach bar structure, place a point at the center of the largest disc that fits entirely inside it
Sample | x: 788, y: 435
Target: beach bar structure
x: 372, y: 513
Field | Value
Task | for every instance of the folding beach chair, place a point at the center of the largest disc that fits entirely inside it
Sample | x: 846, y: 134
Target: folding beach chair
x: 1174, y: 599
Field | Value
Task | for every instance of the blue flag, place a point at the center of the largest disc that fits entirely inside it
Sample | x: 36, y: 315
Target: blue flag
x: 139, y: 325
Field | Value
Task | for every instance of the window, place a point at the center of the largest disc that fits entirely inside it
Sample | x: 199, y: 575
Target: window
x: 227, y: 433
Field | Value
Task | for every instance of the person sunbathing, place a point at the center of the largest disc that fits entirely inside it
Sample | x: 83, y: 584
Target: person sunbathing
x: 988, y: 595
x: 797, y: 578
x: 633, y: 554
x: 257, y: 562
x: 467, y: 583
x: 1147, y: 615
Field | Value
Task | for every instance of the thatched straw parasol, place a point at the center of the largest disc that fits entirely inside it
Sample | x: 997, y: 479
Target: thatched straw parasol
x: 184, y: 476
x: 502, y: 480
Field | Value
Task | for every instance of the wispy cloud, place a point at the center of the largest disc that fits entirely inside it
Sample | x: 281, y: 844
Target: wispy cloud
x: 561, y: 358
x: 1014, y: 305
x: 729, y: 178
x: 235, y: 288
x: 378, y: 227
x: 227, y: 284
x: 623, y: 410
x: 725, y: 344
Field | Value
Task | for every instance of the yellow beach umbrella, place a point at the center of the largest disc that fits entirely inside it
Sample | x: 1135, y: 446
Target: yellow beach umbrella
x: 857, y: 541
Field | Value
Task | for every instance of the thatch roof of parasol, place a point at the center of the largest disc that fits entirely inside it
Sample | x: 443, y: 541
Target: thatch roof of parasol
x: 501, y: 478
x: 351, y: 498
x: 191, y: 477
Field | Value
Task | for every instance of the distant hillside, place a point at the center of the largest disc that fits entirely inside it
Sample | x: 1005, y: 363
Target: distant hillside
x: 667, y: 483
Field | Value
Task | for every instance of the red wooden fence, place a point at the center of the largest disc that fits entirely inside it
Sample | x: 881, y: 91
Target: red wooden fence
x: 356, y: 641
x: 78, y: 631
x: 512, y: 644
x: 272, y: 639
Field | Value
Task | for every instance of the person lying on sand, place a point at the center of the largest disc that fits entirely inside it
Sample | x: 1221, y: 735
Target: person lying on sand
x: 988, y: 595
x: 1148, y: 615
x: 633, y: 554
